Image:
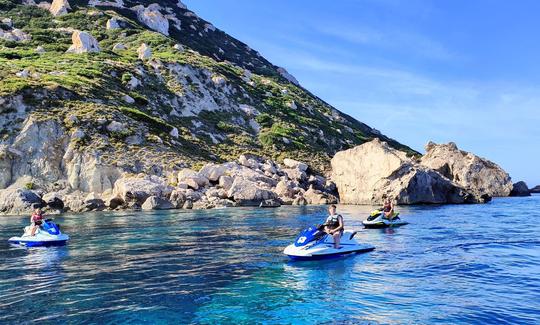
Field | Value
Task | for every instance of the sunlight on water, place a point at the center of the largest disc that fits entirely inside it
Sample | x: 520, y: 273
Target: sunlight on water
x: 452, y: 264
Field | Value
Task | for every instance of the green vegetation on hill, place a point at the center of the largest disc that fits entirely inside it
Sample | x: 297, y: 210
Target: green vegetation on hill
x: 204, y: 91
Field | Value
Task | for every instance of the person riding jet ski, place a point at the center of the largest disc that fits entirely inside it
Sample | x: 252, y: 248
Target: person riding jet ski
x: 36, y: 220
x: 41, y: 232
x: 334, y: 225
x: 388, y: 209
x: 384, y: 217
x: 328, y: 240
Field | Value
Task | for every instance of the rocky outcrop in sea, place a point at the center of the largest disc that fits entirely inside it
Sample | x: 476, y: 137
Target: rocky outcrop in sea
x: 371, y: 172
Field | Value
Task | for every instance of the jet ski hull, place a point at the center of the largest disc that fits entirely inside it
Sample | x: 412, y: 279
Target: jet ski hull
x: 337, y: 254
x: 380, y: 225
x: 324, y: 248
x: 377, y: 221
x: 46, y: 235
x: 22, y: 241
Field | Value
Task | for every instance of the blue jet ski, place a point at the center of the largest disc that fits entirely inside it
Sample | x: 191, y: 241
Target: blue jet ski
x: 48, y: 234
x: 314, y: 244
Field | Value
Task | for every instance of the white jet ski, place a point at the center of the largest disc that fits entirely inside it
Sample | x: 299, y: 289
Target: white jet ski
x: 48, y: 234
x: 314, y: 244
x: 378, y: 220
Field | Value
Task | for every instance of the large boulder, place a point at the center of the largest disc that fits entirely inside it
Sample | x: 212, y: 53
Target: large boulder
x: 248, y: 193
x: 535, y: 189
x: 295, y: 174
x: 138, y: 189
x: 473, y: 173
x: 54, y: 201
x: 157, y: 203
x: 83, y: 43
x: 192, y: 179
x: 314, y: 196
x: 59, y: 7
x: 19, y: 201
x: 93, y: 202
x: 520, y: 189
x: 152, y: 17
x: 213, y: 172
x: 373, y: 171
x: 291, y: 163
x: 177, y: 199
x: 417, y: 184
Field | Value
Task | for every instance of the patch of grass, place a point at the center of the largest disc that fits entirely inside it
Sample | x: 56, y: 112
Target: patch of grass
x: 154, y: 123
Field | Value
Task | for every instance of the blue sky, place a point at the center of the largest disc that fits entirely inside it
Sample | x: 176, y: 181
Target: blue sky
x: 454, y: 70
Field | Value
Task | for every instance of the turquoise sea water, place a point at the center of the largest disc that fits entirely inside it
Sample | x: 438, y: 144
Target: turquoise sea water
x: 452, y: 264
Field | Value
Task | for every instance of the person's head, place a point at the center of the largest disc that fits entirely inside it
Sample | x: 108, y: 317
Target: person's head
x: 332, y: 209
x: 387, y: 202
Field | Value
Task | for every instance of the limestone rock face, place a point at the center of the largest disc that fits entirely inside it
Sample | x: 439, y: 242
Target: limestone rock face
x: 369, y: 173
x: 520, y: 189
x: 248, y: 193
x: 59, y: 7
x: 83, y: 43
x: 18, y: 201
x: 475, y: 174
x: 357, y: 171
x: 153, y: 18
x: 138, y: 189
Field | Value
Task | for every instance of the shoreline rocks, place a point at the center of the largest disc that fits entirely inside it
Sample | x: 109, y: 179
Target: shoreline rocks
x: 249, y: 181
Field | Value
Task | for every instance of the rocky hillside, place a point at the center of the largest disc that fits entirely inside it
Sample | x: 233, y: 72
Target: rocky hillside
x: 94, y: 93
x: 90, y: 90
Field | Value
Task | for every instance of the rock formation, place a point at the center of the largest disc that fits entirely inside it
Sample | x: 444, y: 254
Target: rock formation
x: 59, y: 7
x: 473, y: 173
x: 152, y: 17
x: 369, y: 173
x: 144, y: 52
x: 83, y: 43
x: 535, y: 189
x: 520, y: 189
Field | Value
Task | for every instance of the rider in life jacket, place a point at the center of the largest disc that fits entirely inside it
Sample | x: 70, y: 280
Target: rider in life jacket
x: 36, y: 220
x: 334, y: 225
x: 388, y: 209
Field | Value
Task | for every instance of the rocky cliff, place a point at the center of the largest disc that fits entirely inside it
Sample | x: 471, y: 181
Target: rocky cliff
x: 93, y: 92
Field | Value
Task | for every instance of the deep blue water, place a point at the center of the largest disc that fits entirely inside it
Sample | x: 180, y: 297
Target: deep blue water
x: 451, y: 264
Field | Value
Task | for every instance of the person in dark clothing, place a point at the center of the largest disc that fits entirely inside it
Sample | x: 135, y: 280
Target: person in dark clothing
x: 334, y: 225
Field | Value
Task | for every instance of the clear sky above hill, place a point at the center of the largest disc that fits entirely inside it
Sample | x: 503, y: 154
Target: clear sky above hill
x: 454, y: 70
